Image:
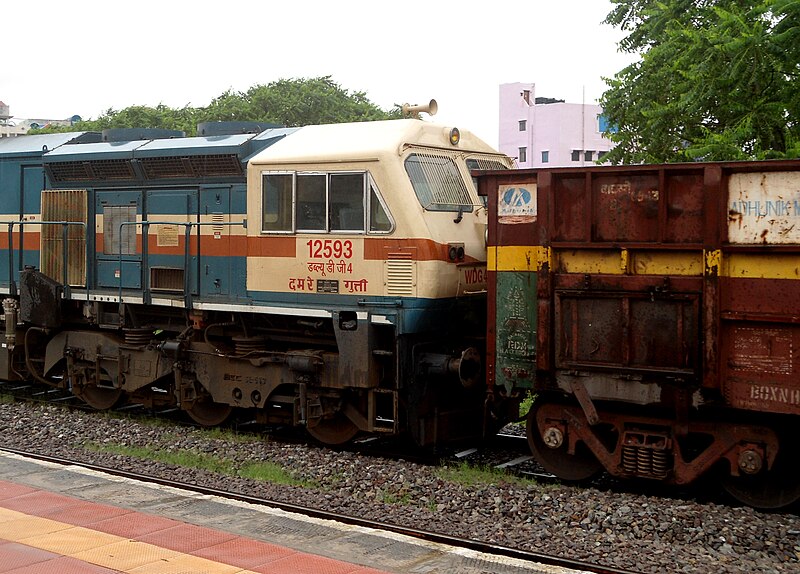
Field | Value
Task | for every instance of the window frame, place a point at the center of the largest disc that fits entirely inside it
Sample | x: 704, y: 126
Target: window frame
x: 368, y: 188
x: 419, y: 157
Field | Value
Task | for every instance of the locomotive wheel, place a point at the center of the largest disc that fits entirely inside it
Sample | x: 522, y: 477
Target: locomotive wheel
x: 207, y: 413
x: 100, y: 398
x: 770, y: 489
x: 577, y: 467
x: 334, y: 430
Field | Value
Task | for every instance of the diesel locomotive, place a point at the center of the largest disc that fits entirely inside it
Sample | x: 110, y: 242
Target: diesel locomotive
x: 655, y: 313
x: 330, y: 277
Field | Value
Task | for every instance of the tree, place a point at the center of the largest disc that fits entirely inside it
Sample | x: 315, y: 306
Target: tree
x: 298, y: 102
x: 295, y: 102
x: 715, y: 81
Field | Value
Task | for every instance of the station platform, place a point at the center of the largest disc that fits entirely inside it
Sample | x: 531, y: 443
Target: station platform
x: 70, y: 520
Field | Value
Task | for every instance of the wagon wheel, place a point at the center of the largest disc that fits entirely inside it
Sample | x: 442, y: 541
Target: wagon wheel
x: 100, y: 398
x: 577, y: 467
x: 770, y: 489
x: 205, y: 412
x: 333, y: 429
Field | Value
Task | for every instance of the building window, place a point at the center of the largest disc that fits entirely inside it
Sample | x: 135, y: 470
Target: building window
x: 601, y: 155
x: 576, y: 155
x: 545, y: 157
x: 587, y: 155
x: 523, y: 154
x: 523, y: 125
x: 603, y: 125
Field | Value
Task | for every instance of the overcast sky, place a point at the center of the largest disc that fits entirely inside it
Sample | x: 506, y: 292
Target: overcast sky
x: 85, y: 56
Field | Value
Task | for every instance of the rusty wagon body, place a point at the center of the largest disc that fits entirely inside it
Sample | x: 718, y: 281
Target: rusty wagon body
x: 655, y: 312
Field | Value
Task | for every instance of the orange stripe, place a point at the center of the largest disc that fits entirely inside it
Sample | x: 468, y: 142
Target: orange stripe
x: 379, y: 248
x: 30, y: 238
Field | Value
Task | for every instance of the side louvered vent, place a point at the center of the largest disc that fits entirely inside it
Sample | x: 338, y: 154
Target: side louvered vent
x: 191, y: 166
x: 401, y: 277
x: 166, y: 279
x: 108, y: 169
x: 64, y: 205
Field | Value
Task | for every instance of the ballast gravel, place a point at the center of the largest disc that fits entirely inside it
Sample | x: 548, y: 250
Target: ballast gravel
x: 629, y: 530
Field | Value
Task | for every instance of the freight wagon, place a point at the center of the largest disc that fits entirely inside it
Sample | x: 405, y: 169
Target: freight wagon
x: 655, y: 313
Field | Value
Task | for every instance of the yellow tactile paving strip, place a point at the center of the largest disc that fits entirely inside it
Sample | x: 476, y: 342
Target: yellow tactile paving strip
x: 108, y: 550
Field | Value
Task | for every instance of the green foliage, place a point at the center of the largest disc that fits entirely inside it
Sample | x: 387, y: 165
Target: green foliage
x: 468, y: 475
x: 526, y: 404
x: 288, y: 102
x: 262, y: 471
x: 297, y: 102
x: 272, y: 473
x: 183, y: 458
x: 716, y: 81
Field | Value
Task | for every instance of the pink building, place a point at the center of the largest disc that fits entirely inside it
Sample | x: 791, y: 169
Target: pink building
x: 543, y: 132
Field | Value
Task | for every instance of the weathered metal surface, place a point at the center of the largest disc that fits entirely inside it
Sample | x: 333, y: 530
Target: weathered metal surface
x: 673, y: 288
x: 516, y: 324
x: 39, y: 299
x: 648, y: 447
x: 764, y: 208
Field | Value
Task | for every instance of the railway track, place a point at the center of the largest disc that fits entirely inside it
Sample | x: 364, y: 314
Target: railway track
x: 478, y: 546
x: 505, y: 451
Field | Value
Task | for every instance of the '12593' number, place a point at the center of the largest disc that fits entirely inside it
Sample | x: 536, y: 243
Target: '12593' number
x: 328, y: 248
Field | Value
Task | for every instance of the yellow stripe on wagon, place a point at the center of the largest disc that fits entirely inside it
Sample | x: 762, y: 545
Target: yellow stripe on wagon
x: 518, y: 258
x: 761, y: 266
x: 644, y: 262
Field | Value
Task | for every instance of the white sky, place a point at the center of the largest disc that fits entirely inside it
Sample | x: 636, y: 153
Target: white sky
x: 85, y: 56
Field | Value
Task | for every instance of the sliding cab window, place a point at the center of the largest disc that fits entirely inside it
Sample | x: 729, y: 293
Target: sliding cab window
x: 307, y: 202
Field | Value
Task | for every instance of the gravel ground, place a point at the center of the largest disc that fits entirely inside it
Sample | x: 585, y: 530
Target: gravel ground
x: 625, y: 530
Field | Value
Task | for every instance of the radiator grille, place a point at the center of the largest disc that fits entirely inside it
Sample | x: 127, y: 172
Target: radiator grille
x: 107, y: 169
x: 166, y: 279
x: 191, y: 166
x: 64, y: 205
x: 401, y: 275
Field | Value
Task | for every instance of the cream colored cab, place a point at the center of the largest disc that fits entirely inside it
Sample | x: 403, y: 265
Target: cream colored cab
x: 373, y: 209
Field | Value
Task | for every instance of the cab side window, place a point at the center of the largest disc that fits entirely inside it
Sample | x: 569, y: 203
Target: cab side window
x: 311, y: 202
x: 347, y: 202
x: 276, y: 201
x: 336, y: 202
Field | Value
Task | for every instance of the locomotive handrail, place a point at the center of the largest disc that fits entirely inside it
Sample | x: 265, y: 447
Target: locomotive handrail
x: 187, y: 292
x: 12, y: 285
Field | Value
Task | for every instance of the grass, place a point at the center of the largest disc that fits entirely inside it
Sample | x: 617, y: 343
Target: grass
x: 261, y: 471
x: 390, y: 498
x: 272, y: 473
x: 526, y: 404
x: 468, y: 475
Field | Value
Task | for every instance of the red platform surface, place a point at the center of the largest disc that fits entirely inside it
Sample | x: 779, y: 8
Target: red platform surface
x: 46, y: 533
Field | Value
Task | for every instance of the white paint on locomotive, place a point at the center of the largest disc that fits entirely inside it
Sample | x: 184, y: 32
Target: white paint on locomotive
x: 301, y: 189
